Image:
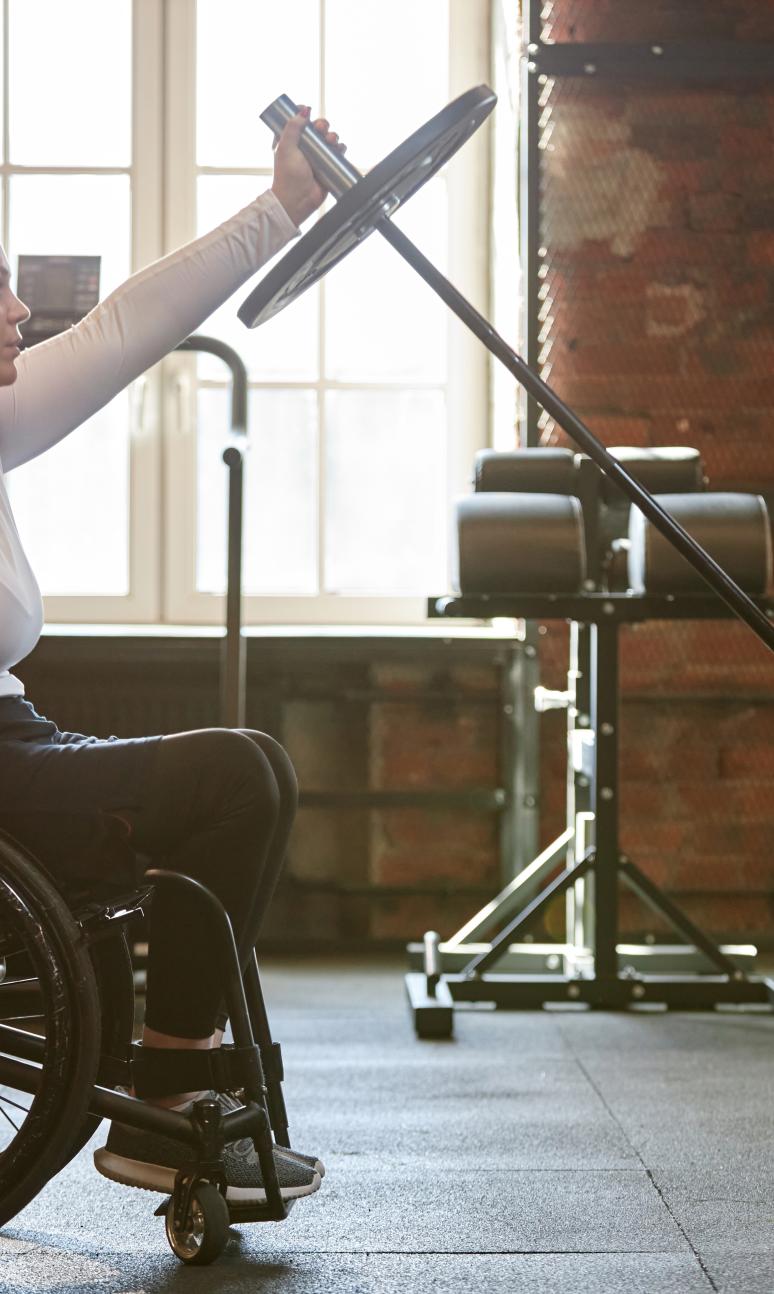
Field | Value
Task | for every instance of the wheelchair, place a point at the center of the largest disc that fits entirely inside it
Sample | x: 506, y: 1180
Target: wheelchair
x: 66, y: 1020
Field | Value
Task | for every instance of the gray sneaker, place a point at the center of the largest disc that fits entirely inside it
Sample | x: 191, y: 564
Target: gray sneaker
x: 232, y: 1101
x: 148, y: 1160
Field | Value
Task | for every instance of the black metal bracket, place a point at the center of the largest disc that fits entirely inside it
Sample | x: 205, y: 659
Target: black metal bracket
x: 678, y: 61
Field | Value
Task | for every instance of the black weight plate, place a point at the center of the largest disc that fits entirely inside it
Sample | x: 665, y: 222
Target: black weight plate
x: 372, y: 199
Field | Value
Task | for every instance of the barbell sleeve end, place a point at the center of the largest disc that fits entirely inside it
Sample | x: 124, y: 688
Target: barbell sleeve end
x: 330, y: 167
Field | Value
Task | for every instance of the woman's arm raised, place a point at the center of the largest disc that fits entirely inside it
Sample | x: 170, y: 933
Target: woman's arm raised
x: 64, y: 381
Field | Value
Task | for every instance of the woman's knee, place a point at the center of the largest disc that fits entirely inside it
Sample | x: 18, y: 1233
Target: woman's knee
x: 280, y: 762
x: 211, y: 774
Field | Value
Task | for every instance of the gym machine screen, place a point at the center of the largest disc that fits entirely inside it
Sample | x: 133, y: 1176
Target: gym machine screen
x: 59, y: 291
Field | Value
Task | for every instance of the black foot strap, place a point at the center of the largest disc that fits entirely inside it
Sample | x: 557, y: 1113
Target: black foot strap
x: 162, y: 1071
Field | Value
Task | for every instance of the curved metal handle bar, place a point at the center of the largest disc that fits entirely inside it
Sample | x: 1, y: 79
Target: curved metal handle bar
x: 213, y: 346
x: 234, y: 660
x: 337, y: 175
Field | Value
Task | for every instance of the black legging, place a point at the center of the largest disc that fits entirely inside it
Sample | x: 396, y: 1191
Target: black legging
x: 220, y: 808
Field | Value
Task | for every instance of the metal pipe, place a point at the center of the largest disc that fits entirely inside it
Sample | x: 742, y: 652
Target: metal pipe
x: 234, y: 661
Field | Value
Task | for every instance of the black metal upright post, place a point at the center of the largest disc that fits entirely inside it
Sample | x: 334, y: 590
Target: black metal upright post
x: 233, y: 662
x: 529, y: 213
x: 524, y: 719
x: 233, y: 683
x: 604, y: 724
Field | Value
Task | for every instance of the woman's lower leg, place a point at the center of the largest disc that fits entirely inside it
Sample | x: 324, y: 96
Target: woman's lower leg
x: 215, y: 813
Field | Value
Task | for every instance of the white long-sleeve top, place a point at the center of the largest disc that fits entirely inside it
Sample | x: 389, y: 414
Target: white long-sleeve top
x: 62, y: 382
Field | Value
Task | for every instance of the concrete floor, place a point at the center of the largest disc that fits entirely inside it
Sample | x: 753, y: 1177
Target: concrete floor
x: 548, y: 1153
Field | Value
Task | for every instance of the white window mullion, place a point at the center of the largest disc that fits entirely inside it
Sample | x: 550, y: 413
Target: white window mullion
x: 468, y: 173
x: 143, y: 601
x: 179, y: 405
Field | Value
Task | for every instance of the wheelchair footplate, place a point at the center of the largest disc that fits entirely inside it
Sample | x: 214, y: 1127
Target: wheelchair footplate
x: 197, y: 1215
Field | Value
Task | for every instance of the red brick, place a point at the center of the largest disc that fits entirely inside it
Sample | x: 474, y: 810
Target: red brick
x: 619, y: 285
x: 739, y: 291
x: 630, y: 20
x: 472, y: 680
x: 613, y: 430
x: 692, y: 872
x: 746, y: 760
x: 729, y: 839
x: 744, y: 915
x: 661, y: 747
x: 760, y: 248
x: 749, y: 175
x: 442, y: 846
x: 438, y: 745
x: 644, y: 836
x: 745, y: 801
x: 716, y: 210
x: 738, y: 142
x: 674, y: 141
x: 401, y: 677
x: 662, y: 104
x: 686, y: 248
x: 637, y: 358
x: 597, y: 321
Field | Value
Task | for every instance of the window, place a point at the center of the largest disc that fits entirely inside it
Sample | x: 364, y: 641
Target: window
x: 367, y: 400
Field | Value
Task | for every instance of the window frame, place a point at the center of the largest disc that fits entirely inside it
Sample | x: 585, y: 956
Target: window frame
x: 143, y: 602
x: 467, y: 386
x: 162, y: 474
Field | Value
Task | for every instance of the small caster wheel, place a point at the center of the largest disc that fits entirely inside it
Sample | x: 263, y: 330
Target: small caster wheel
x: 209, y: 1230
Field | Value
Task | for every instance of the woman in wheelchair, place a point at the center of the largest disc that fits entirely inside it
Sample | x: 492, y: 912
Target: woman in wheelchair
x: 214, y: 804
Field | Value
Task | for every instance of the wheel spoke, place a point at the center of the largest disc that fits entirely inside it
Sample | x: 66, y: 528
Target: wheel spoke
x: 6, y: 1100
x: 7, y: 1116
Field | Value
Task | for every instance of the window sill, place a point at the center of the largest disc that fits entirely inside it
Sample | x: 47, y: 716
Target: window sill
x: 442, y: 631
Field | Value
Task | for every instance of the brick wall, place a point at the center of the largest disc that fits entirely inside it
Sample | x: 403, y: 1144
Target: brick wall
x: 658, y: 223
x: 367, y: 724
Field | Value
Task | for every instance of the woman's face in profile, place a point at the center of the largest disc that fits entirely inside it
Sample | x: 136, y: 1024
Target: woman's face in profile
x: 12, y: 313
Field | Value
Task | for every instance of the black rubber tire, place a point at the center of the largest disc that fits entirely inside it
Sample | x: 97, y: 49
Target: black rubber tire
x: 210, y: 1241
x: 38, y: 932
x: 112, y: 964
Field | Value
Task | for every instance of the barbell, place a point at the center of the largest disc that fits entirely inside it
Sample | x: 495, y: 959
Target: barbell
x: 364, y: 204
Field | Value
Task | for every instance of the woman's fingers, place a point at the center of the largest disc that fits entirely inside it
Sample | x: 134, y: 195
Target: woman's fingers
x: 331, y: 136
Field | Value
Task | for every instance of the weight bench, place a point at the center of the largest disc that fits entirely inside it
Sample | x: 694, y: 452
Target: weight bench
x: 546, y: 537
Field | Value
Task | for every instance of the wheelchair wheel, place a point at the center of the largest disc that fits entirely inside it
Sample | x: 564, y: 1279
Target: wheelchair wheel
x: 206, y: 1233
x: 49, y: 1016
x: 112, y: 964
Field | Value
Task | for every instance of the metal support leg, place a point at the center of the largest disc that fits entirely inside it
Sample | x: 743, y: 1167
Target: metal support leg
x: 643, y: 885
x: 604, y: 721
x: 498, y: 946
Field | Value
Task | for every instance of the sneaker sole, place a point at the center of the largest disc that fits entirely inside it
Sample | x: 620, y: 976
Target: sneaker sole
x: 156, y: 1177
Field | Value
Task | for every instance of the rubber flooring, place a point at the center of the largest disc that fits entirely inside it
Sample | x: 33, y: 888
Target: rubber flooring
x: 556, y: 1152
